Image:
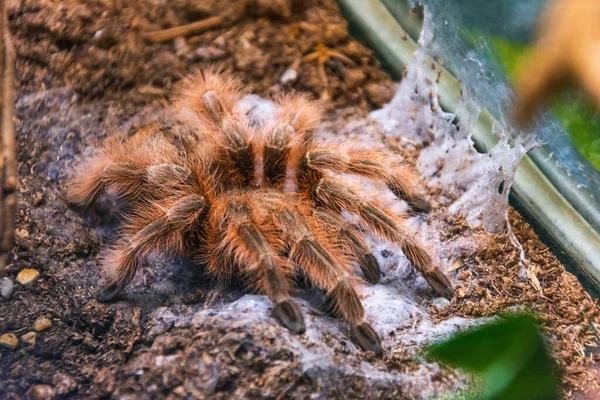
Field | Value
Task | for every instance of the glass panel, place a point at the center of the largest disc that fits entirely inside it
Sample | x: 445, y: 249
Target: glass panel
x: 480, y: 41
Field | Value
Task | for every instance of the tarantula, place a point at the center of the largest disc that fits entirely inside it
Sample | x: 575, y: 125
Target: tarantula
x: 253, y: 201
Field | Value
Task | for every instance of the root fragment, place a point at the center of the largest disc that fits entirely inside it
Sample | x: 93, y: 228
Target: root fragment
x: 184, y: 30
x: 8, y: 160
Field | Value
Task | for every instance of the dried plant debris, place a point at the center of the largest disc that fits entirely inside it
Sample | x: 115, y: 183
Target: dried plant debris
x: 8, y: 156
x: 98, y: 48
x: 490, y: 283
x: 84, y: 71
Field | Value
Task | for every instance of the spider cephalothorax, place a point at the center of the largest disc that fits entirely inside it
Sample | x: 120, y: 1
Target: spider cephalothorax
x: 252, y: 201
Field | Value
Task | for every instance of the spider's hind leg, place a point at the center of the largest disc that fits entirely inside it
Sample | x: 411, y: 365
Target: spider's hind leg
x: 350, y: 240
x: 129, y: 181
x: 337, y: 197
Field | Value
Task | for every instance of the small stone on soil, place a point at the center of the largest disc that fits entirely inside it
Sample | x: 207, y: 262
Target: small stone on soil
x: 42, y: 323
x: 7, y: 287
x: 440, y: 303
x: 41, y: 392
x: 22, y: 233
x: 289, y: 76
x: 209, y: 53
x: 9, y: 340
x: 28, y: 276
x: 29, y: 338
x: 63, y: 384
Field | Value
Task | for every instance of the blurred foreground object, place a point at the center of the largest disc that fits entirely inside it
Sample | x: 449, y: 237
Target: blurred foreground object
x: 567, y: 51
x: 509, y: 355
x: 8, y: 161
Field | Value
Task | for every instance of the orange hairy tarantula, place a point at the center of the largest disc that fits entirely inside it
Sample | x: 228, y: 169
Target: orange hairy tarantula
x: 251, y: 201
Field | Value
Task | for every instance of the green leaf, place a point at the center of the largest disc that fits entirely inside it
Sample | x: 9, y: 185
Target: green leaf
x: 510, y: 356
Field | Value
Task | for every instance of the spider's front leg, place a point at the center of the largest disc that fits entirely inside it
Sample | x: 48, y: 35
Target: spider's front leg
x: 338, y: 197
x: 371, y: 164
x: 149, y: 230
x: 292, y: 131
x: 236, y: 239
x: 328, y: 271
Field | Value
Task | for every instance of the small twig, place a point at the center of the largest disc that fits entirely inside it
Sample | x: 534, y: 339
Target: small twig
x: 524, y: 272
x: 8, y: 159
x: 184, y: 30
x: 412, y: 142
x: 136, y: 322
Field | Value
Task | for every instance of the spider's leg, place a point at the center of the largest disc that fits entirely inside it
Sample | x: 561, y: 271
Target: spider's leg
x: 164, y: 230
x: 370, y: 164
x: 302, y: 114
x: 293, y: 130
x: 129, y: 181
x: 235, y: 137
x: 238, y: 151
x: 328, y: 272
x: 236, y: 237
x: 338, y: 197
x: 350, y: 240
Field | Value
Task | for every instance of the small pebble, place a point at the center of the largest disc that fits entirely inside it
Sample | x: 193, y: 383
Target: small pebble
x: 29, y: 338
x: 440, y: 303
x: 209, y: 53
x: 41, y: 392
x: 63, y: 384
x: 9, y: 340
x: 42, y: 323
x: 22, y: 233
x: 289, y: 76
x: 7, y: 287
x: 28, y: 276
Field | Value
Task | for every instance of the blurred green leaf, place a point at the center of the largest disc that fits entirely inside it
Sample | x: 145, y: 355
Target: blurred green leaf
x: 510, y: 356
x: 508, y: 53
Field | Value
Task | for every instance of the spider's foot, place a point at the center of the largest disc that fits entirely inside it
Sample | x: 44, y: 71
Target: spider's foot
x: 419, y: 204
x: 108, y: 292
x: 415, y: 201
x: 440, y: 283
x: 289, y: 315
x: 366, y: 337
x: 370, y: 268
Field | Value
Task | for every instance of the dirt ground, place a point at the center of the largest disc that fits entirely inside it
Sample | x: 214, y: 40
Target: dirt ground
x: 83, y: 68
